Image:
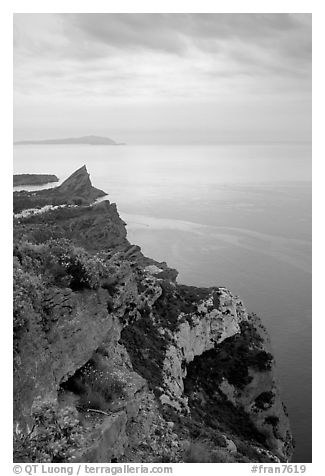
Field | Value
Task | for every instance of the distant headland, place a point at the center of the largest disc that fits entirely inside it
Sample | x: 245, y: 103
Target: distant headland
x: 87, y: 140
x: 34, y: 179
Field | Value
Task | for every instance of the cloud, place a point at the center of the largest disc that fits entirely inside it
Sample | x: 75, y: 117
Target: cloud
x: 285, y: 34
x: 92, y: 35
x: 132, y: 31
x: 62, y: 60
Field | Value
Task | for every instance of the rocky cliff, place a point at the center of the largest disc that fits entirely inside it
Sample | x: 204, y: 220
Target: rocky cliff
x: 116, y: 361
x: 75, y: 190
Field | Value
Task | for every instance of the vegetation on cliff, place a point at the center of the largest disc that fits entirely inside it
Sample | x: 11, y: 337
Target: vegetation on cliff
x: 114, y: 360
x: 55, y: 435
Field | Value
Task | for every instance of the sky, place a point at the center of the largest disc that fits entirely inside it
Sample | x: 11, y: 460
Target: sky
x: 147, y: 78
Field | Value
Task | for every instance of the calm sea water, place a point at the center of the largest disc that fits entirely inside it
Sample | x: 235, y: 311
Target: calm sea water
x: 232, y: 215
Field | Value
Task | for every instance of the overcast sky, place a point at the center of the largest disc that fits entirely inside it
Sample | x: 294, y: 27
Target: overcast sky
x: 163, y: 78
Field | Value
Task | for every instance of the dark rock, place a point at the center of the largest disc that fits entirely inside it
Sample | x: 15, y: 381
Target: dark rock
x: 75, y: 190
x: 79, y: 185
x: 34, y: 179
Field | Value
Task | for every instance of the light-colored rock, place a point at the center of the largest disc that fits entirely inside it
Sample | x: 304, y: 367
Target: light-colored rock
x: 209, y: 326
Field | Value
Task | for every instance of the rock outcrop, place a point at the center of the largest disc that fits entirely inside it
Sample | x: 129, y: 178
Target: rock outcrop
x: 79, y: 185
x: 75, y: 190
x: 150, y: 368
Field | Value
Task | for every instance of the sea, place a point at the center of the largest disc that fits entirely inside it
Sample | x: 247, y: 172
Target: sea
x: 234, y: 215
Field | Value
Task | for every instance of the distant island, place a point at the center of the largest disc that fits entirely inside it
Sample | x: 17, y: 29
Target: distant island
x: 87, y: 140
x: 34, y: 179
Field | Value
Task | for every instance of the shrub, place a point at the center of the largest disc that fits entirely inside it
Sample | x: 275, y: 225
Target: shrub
x: 264, y: 400
x: 83, y: 270
x: 55, y: 435
x: 61, y: 263
x: 262, y: 361
x: 28, y: 291
x: 272, y: 420
x: 110, y: 284
x: 96, y: 386
x: 221, y: 456
x: 198, y: 453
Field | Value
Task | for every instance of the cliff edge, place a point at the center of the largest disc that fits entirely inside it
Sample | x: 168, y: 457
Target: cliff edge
x: 116, y: 361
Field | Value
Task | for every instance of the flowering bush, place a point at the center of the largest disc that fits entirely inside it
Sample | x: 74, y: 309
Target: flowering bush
x: 28, y: 291
x: 96, y: 386
x: 61, y: 263
x: 85, y: 271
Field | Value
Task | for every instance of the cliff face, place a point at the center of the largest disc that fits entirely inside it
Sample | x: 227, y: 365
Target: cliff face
x: 151, y: 370
x: 79, y: 185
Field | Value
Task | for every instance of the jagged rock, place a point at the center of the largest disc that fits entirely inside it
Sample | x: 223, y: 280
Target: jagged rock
x: 230, y: 445
x: 79, y: 185
x: 208, y: 326
x: 76, y: 190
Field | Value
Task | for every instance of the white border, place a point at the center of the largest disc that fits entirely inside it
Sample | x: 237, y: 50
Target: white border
x: 172, y: 6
